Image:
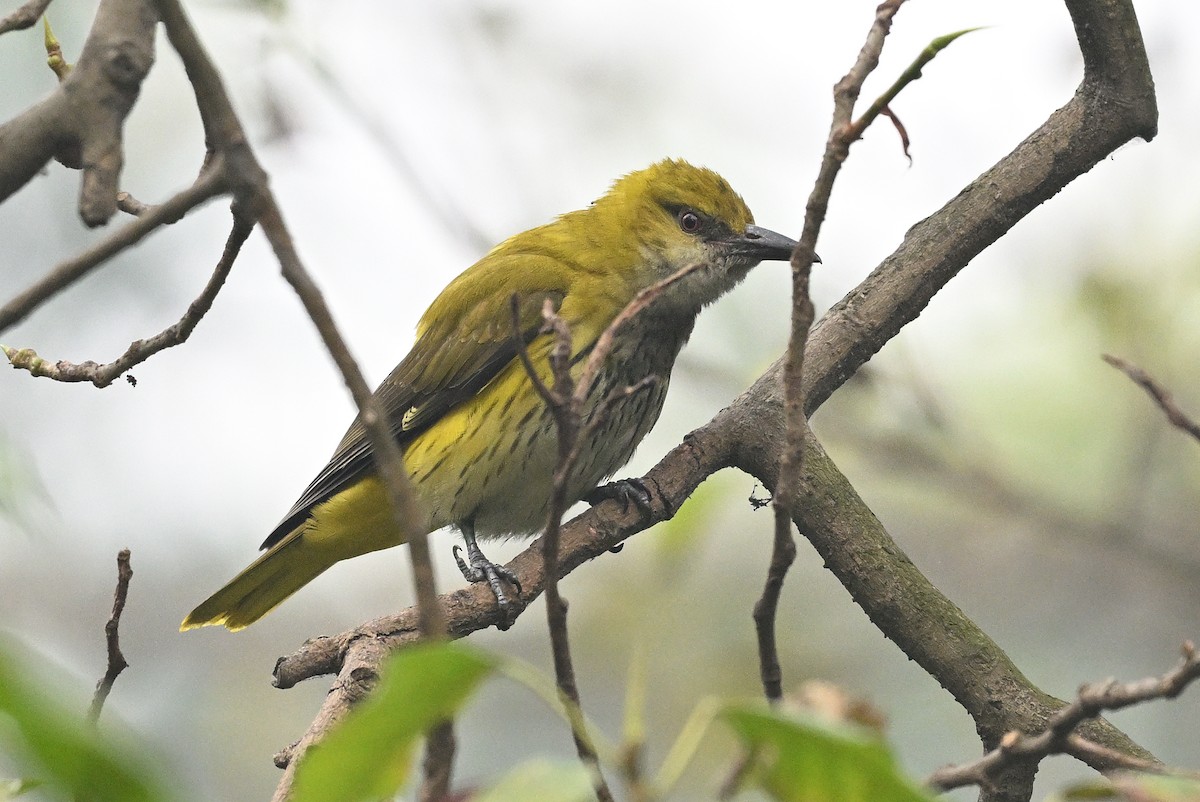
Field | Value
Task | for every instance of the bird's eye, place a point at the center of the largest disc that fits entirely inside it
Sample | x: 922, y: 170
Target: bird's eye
x: 689, y: 221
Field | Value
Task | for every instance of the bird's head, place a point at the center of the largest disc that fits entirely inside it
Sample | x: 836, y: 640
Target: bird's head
x: 672, y: 215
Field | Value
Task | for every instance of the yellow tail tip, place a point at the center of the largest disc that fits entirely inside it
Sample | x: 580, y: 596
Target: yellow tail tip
x: 193, y: 622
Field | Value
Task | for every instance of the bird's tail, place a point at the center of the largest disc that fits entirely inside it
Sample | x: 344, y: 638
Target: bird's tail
x: 276, y: 575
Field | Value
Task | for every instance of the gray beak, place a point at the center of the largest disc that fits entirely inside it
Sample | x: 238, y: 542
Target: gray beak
x: 762, y: 244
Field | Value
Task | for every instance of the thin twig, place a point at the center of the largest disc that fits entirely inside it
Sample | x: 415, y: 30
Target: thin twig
x: 389, y: 461
x: 212, y: 182
x: 24, y: 17
x: 910, y: 74
x: 112, y: 639
x: 131, y: 205
x: 1160, y: 394
x: 567, y: 411
x: 567, y: 401
x: 783, y: 553
x: 783, y: 550
x: 604, y: 343
x: 225, y: 136
x: 225, y: 133
x: 548, y: 395
x: 1056, y: 738
x: 140, y: 350
x: 1094, y: 754
x: 438, y: 763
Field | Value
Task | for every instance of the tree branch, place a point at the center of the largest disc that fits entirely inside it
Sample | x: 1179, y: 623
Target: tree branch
x: 140, y: 350
x: 212, y: 182
x: 837, y: 148
x: 567, y: 409
x: 1059, y: 735
x: 112, y: 639
x: 81, y: 122
x: 1161, y: 395
x: 1114, y: 103
x: 24, y: 17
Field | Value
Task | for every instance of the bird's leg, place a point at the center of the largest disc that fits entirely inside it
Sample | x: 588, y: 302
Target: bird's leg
x: 626, y: 491
x: 478, y: 568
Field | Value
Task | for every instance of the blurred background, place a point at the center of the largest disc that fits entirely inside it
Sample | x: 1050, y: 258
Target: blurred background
x: 1034, y: 484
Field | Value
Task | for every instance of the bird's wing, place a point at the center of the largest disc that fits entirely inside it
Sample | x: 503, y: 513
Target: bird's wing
x: 453, y: 359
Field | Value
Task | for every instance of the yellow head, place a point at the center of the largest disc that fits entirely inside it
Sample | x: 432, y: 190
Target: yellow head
x: 654, y: 222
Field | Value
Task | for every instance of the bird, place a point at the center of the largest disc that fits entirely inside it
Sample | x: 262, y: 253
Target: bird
x: 479, y: 443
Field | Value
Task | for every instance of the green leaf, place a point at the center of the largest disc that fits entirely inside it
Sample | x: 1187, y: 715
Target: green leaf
x: 1135, y: 787
x: 806, y: 760
x: 369, y: 755
x: 541, y: 781
x: 14, y: 788
x: 69, y: 754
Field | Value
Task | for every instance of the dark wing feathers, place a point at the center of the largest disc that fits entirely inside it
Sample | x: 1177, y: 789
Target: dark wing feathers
x: 451, y: 361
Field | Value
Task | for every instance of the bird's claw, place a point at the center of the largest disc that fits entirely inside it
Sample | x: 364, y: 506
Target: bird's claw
x: 626, y: 491
x: 478, y: 568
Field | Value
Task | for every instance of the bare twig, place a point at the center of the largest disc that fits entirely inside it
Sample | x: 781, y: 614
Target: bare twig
x: 112, y: 639
x: 841, y: 135
x: 438, y: 764
x: 1059, y: 735
x: 225, y: 135
x: 212, y: 182
x: 783, y: 553
x: 550, y: 396
x: 1094, y: 754
x: 131, y: 205
x: 227, y: 140
x: 1160, y: 394
x: 604, y: 343
x: 389, y: 461
x: 567, y: 401
x: 24, y: 17
x: 567, y: 411
x: 140, y: 350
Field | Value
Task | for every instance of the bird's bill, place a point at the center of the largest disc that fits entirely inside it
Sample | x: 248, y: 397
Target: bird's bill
x: 762, y: 244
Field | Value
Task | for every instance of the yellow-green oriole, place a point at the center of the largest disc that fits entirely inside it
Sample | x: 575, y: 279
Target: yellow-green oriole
x: 479, y: 443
